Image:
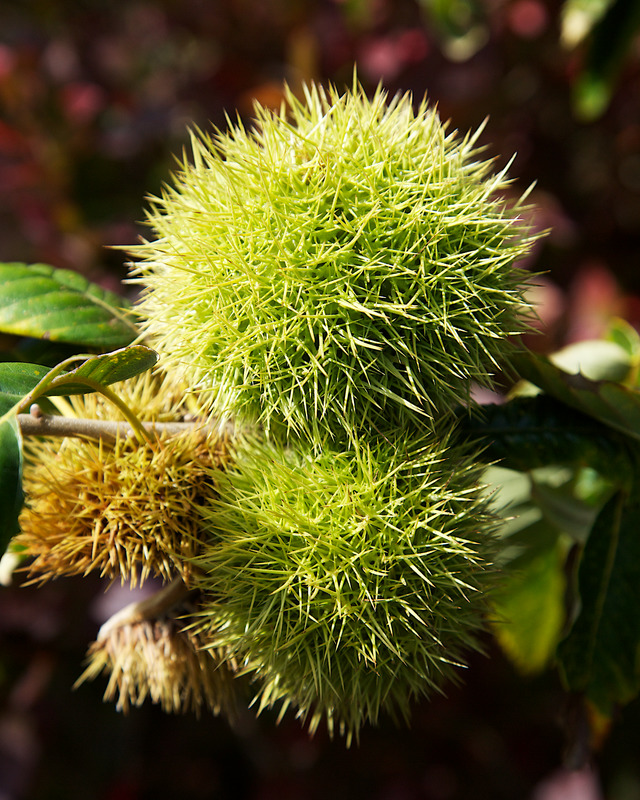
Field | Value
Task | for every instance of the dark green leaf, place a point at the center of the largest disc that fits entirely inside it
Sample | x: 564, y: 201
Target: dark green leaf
x: 42, y: 302
x: 16, y: 381
x: 530, y: 432
x: 610, y: 403
x: 40, y: 351
x: 11, y: 497
x: 600, y: 655
x: 612, y: 39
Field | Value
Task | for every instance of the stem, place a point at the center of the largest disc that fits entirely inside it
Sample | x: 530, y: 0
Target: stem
x: 149, y: 608
x: 137, y: 426
x: 107, y: 430
x: 58, y: 377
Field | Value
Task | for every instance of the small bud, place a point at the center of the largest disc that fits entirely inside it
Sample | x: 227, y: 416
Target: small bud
x: 160, y: 660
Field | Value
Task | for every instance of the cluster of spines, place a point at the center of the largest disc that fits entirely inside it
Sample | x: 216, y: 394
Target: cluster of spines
x: 123, y: 509
x: 128, y: 509
x: 343, y: 272
x: 340, y: 274
x: 343, y: 262
x: 165, y: 661
x: 346, y: 583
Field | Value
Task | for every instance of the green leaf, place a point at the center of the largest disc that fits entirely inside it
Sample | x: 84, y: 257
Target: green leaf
x: 596, y: 359
x: 615, y: 405
x: 610, y: 44
x: 11, y: 497
x: 45, y: 303
x: 530, y: 432
x: 16, y: 381
x: 523, y: 526
x: 95, y: 372
x: 625, y: 336
x: 563, y: 509
x: 600, y: 655
x: 530, y: 602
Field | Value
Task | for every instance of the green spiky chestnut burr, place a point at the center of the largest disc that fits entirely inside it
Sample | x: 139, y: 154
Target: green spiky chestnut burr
x: 346, y: 583
x: 343, y: 261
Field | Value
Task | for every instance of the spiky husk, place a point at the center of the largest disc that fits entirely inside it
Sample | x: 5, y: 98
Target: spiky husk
x: 342, y: 262
x: 164, y: 662
x: 123, y: 510
x: 347, y: 583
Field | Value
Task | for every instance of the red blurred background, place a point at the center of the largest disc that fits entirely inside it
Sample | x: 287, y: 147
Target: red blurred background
x: 95, y: 102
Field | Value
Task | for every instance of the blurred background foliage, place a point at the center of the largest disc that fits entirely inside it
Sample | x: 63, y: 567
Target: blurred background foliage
x: 95, y: 102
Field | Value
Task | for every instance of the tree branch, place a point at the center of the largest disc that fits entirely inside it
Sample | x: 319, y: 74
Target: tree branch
x: 38, y: 424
